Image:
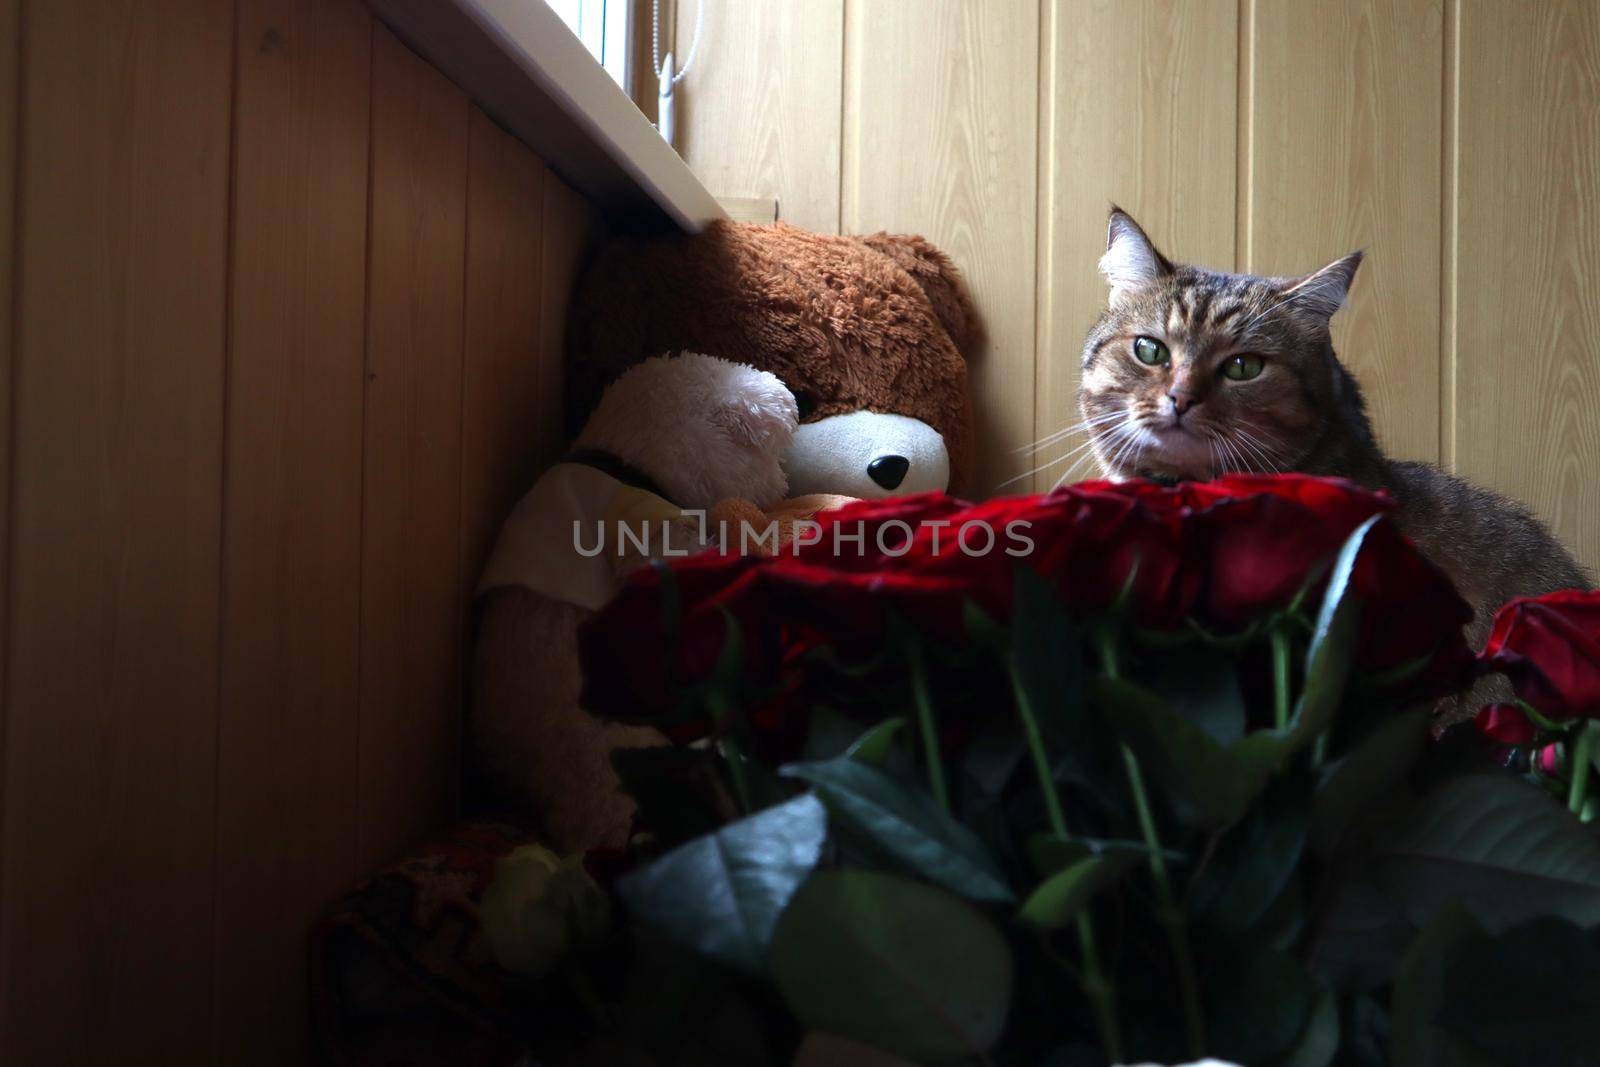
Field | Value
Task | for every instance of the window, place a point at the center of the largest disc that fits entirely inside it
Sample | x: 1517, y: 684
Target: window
x: 605, y: 28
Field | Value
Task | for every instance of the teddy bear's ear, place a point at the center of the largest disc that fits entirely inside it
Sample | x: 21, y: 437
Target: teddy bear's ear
x: 939, y: 279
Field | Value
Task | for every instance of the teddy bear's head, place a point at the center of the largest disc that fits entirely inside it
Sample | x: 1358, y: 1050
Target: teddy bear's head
x: 703, y: 429
x: 869, y: 334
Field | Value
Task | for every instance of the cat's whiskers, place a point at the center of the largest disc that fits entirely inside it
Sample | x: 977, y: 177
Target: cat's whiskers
x: 1260, y: 430
x: 1106, y: 442
x: 1112, y: 439
x: 1266, y: 444
x: 1248, y: 441
x: 1132, y: 448
x: 1245, y: 460
x: 1072, y: 471
x: 1229, y: 462
x: 1051, y: 463
x: 1087, y: 424
x: 1228, y: 454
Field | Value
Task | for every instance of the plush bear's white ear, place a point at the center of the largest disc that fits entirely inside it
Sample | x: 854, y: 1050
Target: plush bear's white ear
x: 752, y: 408
x: 762, y: 421
x: 1131, y: 263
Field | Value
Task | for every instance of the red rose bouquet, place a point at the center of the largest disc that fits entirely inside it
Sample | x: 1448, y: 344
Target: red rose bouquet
x: 1121, y: 772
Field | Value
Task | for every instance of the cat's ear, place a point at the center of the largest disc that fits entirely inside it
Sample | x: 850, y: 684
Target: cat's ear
x: 1322, y: 292
x: 1131, y: 262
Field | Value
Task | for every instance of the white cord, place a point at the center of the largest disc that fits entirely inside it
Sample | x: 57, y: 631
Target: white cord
x: 655, y: 38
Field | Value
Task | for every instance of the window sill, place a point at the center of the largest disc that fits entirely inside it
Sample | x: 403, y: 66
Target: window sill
x: 520, y: 63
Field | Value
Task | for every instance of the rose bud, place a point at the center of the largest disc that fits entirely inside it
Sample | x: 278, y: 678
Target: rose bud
x: 539, y: 908
x: 1549, y: 646
x: 1506, y: 724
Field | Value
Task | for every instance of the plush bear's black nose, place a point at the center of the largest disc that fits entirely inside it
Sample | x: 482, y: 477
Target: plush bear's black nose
x: 888, y: 471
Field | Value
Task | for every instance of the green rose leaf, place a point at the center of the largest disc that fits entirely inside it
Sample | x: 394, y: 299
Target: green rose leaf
x: 1210, y: 785
x: 1358, y: 933
x: 1499, y: 845
x: 1202, y: 684
x: 1255, y: 861
x: 1363, y: 1033
x: 1319, y: 1043
x: 1416, y: 1040
x: 873, y: 746
x: 1050, y: 853
x: 1332, y: 643
x: 1258, y: 1001
x: 893, y: 964
x: 1059, y: 899
x: 830, y: 734
x: 721, y: 894
x: 1365, y: 778
x: 907, y: 825
x: 1048, y: 659
x: 1529, y: 996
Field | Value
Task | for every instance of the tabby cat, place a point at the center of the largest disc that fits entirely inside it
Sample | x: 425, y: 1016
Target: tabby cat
x: 1191, y: 373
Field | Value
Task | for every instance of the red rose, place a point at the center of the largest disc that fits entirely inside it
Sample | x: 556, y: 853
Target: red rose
x: 1093, y: 538
x: 850, y: 609
x: 1549, y: 647
x: 975, y: 551
x: 634, y: 670
x: 1410, y: 611
x: 1506, y: 724
x: 1264, y: 547
x: 869, y: 535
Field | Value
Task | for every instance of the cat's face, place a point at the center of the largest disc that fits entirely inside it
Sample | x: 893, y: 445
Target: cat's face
x: 1191, y: 373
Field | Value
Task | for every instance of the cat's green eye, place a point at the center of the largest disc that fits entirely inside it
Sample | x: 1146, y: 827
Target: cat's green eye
x: 1242, y: 368
x: 1150, y: 352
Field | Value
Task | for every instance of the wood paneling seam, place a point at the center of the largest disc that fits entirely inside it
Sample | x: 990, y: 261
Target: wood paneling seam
x: 213, y: 1027
x: 1244, y: 137
x: 14, y: 330
x: 366, y: 371
x: 1449, y: 226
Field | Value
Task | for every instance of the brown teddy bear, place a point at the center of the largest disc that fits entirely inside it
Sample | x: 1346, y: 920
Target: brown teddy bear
x: 870, y: 333
x: 866, y: 338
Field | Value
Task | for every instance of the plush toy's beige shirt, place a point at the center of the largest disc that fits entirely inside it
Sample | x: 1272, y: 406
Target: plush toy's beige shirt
x: 574, y: 504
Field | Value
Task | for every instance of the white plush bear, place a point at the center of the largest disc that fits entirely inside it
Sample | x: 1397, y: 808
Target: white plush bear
x: 686, y: 433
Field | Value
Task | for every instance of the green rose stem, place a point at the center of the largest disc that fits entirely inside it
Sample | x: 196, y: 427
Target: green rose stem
x: 1098, y: 988
x: 1167, y: 911
x: 1582, y: 756
x: 1280, y: 676
x: 925, y: 724
x: 728, y: 746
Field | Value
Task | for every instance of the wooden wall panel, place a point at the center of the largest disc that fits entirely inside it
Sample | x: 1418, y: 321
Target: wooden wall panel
x: 109, y: 818
x: 1524, y: 372
x: 572, y: 229
x: 940, y: 138
x: 286, y: 795
x: 410, y: 561
x: 1343, y: 152
x: 10, y: 102
x: 502, y: 394
x: 1139, y: 104
x: 759, y: 111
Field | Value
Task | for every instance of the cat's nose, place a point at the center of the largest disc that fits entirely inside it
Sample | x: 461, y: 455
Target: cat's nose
x: 1181, y: 402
